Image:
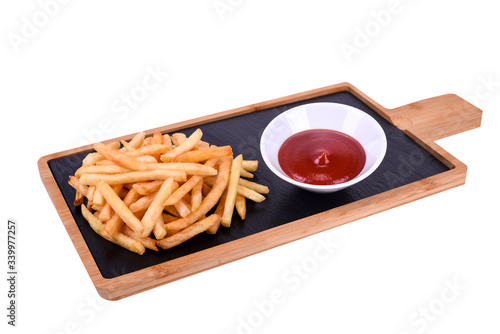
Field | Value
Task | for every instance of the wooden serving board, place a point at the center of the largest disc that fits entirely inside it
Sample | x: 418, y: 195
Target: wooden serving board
x: 414, y: 167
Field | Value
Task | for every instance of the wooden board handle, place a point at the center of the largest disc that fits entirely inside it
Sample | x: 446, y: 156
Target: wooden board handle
x: 437, y: 117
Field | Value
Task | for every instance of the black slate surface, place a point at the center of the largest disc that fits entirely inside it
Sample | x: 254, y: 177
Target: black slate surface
x: 405, y: 162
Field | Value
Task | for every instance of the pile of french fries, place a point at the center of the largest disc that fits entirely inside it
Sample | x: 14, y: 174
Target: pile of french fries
x: 158, y: 191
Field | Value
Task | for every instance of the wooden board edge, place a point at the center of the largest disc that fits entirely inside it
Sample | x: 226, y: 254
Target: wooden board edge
x: 127, y: 285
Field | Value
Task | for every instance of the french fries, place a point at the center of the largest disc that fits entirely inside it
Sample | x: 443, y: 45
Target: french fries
x: 131, y: 177
x: 204, y: 154
x: 231, y: 191
x: 159, y: 191
x: 186, y: 146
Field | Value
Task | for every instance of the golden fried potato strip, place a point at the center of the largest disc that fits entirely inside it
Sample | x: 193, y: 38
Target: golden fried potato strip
x: 189, y: 232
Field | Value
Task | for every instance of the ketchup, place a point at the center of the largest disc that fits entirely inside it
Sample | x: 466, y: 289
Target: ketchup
x: 321, y: 157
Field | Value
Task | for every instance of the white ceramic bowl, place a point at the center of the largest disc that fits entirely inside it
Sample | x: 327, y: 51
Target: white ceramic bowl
x: 333, y: 116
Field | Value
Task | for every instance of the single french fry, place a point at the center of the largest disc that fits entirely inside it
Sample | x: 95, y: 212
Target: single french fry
x: 250, y: 194
x: 208, y: 202
x: 261, y: 189
x: 98, y: 198
x: 188, y: 232
x: 196, y: 195
x: 137, y: 140
x: 250, y: 165
x: 186, y: 167
x: 219, y: 211
x: 157, y: 138
x: 153, y: 149
x: 106, y: 212
x: 178, y: 138
x: 75, y: 183
x: 234, y: 177
x: 159, y: 230
x: 114, y: 224
x: 241, y: 206
x: 245, y: 173
x: 92, y: 158
x: 220, y: 206
x: 102, y: 169
x: 119, y: 207
x: 118, y: 238
x: 186, y: 146
x: 204, y: 154
x: 120, y: 158
x: 149, y: 187
x: 90, y: 194
x: 142, y: 158
x: 154, y: 211
x: 167, y: 141
x: 148, y: 159
x: 131, y: 177
x: 79, y: 198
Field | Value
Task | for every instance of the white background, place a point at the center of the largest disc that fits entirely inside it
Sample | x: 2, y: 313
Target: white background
x: 390, y: 273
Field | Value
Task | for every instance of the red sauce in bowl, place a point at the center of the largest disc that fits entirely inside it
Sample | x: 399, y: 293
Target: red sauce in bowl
x: 321, y: 157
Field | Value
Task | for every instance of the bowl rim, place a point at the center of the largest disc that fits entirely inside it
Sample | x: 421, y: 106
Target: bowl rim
x: 317, y: 187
